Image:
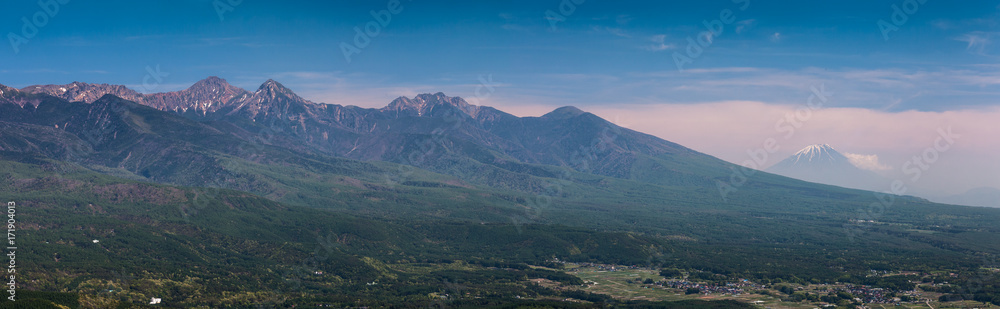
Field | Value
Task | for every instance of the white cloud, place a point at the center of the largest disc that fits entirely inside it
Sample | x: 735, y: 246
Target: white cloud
x: 977, y: 41
x: 866, y: 162
x: 659, y: 43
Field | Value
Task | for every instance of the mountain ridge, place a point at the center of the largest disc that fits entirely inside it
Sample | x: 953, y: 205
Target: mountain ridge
x: 489, y: 137
x: 89, y: 92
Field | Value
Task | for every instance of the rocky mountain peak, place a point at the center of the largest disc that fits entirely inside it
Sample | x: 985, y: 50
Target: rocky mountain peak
x: 273, y: 89
x: 209, y: 94
x: 11, y: 95
x: 4, y: 90
x: 271, y: 85
x: 84, y: 92
x: 211, y: 82
x: 424, y: 103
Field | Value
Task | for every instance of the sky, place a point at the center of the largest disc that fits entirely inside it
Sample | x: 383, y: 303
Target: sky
x: 875, y: 79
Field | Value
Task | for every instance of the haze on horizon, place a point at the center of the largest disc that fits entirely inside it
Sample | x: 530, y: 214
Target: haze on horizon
x: 869, y: 79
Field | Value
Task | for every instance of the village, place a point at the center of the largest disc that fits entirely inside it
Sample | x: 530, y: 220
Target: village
x: 630, y: 282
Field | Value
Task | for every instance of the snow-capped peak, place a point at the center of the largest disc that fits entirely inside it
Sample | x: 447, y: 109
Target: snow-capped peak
x: 823, y: 164
x: 818, y: 152
x: 816, y: 149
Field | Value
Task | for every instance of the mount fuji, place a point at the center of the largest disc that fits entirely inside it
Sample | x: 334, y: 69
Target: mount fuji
x: 822, y: 163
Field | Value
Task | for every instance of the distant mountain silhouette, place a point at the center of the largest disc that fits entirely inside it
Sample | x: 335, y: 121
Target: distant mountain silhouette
x: 822, y: 163
x: 984, y: 196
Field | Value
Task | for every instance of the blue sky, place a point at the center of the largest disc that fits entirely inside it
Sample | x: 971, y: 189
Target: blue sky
x: 615, y: 57
x: 605, y: 52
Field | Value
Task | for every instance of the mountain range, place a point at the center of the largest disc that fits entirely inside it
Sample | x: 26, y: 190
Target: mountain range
x: 201, y: 131
x: 476, y: 137
x: 441, y: 178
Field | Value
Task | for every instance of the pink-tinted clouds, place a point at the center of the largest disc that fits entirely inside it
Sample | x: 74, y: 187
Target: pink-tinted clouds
x: 728, y: 129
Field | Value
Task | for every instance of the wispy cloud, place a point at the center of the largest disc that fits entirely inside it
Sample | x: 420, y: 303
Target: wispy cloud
x: 871, y: 88
x: 659, y: 43
x: 745, y: 25
x: 776, y: 37
x: 512, y: 23
x: 977, y: 41
x: 45, y: 71
x: 943, y: 24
